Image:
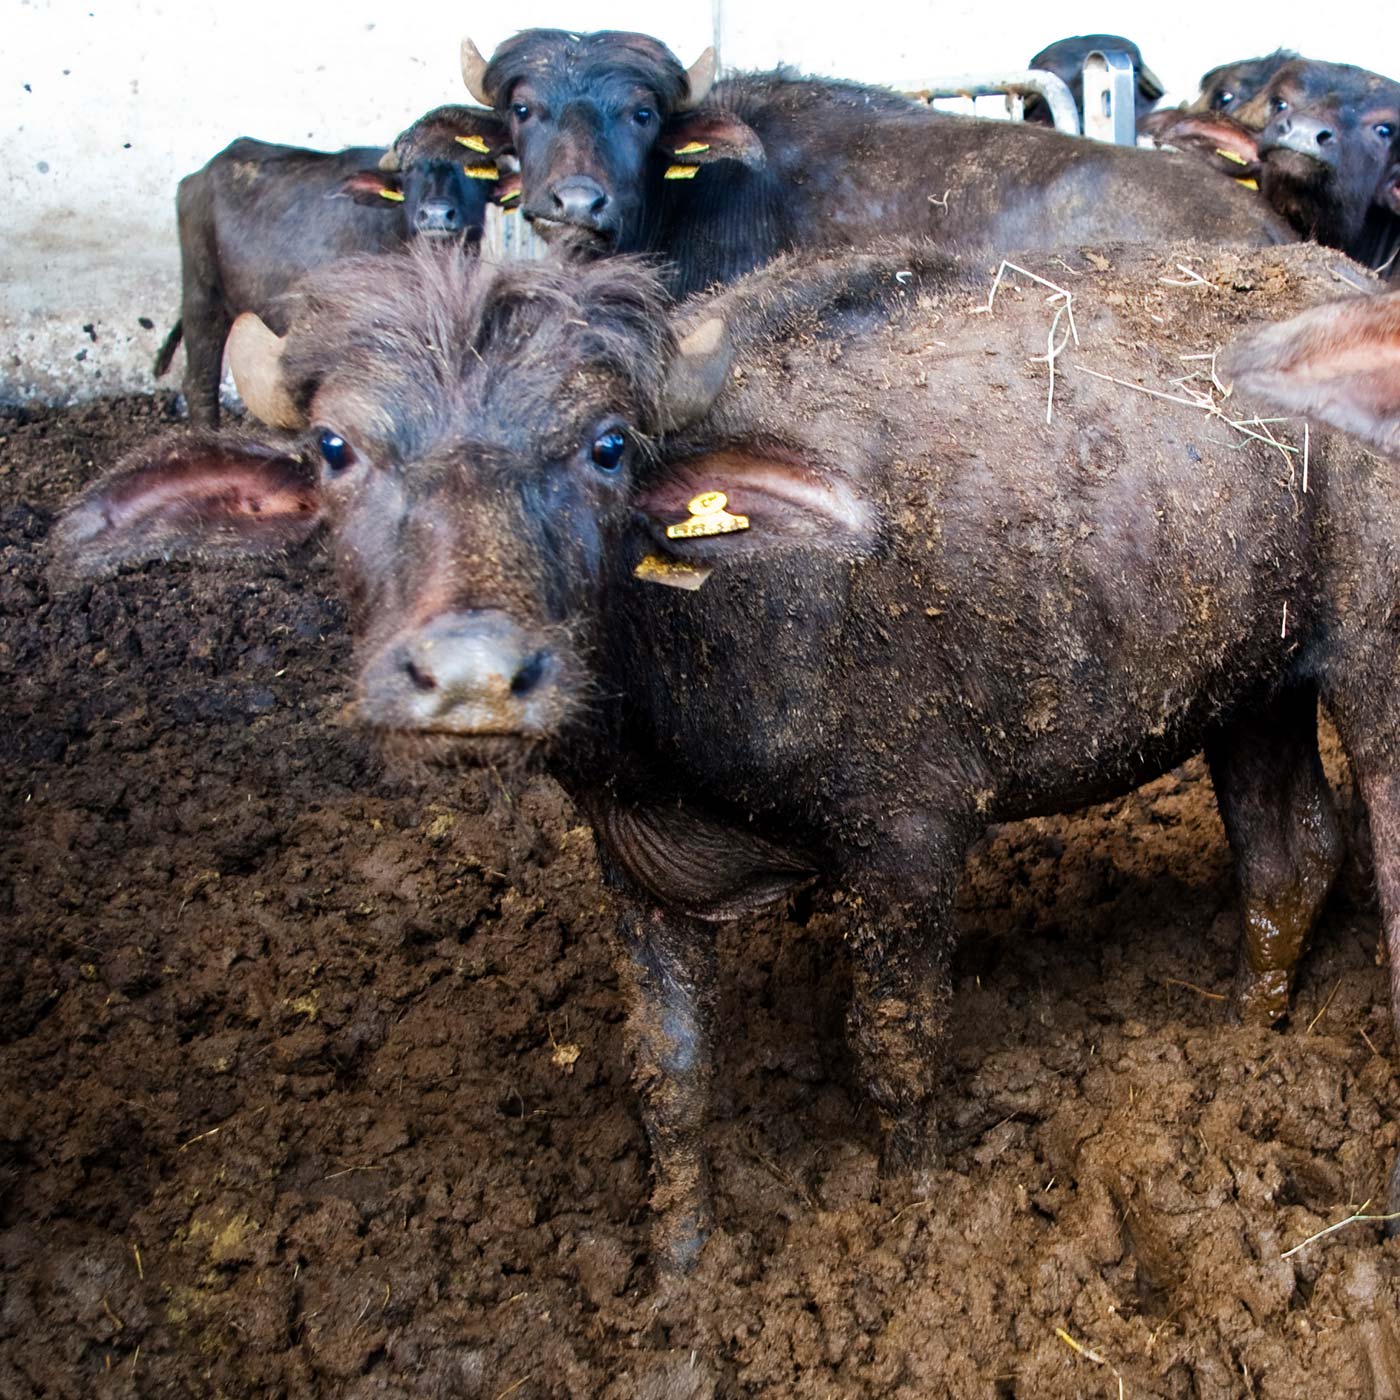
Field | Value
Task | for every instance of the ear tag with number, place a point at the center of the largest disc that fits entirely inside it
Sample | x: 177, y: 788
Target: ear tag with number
x: 708, y: 516
x: 681, y: 172
x: 473, y: 143
x: 481, y: 172
x: 393, y: 195
x: 671, y: 574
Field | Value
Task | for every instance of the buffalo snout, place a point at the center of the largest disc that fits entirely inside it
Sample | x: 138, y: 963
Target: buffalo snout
x: 438, y: 218
x: 1303, y: 135
x: 464, y: 674
x: 579, y: 200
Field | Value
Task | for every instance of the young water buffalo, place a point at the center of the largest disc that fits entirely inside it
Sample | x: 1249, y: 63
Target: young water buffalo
x: 258, y: 216
x: 1329, y: 151
x: 918, y: 586
x: 622, y: 150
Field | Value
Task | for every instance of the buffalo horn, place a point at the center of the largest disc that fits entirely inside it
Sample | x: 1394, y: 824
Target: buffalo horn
x: 697, y: 373
x: 255, y: 356
x: 390, y: 160
x: 474, y: 73
x: 700, y: 75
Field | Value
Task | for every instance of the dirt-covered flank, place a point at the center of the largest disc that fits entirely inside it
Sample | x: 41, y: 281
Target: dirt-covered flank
x: 311, y: 1079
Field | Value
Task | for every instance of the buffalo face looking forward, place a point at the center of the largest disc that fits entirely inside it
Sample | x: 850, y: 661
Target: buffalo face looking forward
x: 933, y: 597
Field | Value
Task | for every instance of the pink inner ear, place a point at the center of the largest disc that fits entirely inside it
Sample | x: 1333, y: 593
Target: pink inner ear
x: 213, y: 489
x: 780, y: 498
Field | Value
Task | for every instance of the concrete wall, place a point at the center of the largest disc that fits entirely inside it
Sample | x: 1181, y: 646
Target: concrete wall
x: 106, y: 105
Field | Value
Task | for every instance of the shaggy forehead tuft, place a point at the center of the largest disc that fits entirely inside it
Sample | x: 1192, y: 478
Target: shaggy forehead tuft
x: 442, y: 326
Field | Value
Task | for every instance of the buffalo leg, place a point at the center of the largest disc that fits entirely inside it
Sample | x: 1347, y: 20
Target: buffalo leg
x: 901, y: 989
x: 206, y: 328
x: 1380, y: 790
x: 1278, y: 814
x: 668, y: 964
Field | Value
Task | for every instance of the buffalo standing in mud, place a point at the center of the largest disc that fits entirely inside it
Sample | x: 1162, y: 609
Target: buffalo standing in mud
x: 621, y: 150
x: 919, y: 587
x: 258, y: 216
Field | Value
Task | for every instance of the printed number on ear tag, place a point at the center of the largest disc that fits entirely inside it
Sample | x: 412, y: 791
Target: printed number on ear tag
x: 473, y: 143
x: 708, y: 516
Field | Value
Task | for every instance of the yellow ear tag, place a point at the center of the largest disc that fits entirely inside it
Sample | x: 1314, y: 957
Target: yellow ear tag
x: 691, y: 148
x: 681, y: 172
x: 707, y: 517
x: 473, y: 143
x: 670, y: 574
x: 1248, y: 184
x: 509, y: 196
x: 391, y: 194
x: 481, y: 172
x: 1231, y: 156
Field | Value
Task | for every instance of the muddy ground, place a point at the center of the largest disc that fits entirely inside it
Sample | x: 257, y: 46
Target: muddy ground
x: 311, y: 1081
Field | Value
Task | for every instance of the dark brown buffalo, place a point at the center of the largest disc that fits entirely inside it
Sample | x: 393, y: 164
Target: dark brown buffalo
x: 1065, y: 59
x: 1322, y: 141
x: 258, y: 216
x: 1207, y: 125
x: 1329, y: 153
x: 618, y: 153
x: 945, y: 610
x: 1233, y: 85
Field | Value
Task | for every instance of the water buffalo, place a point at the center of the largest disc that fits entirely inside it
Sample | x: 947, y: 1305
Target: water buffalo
x: 817, y: 582
x: 622, y: 150
x: 1065, y: 59
x: 1231, y: 86
x: 258, y: 216
x: 1322, y: 141
x: 1329, y: 152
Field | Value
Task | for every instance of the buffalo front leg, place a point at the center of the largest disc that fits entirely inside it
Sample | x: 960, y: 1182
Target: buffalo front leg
x: 1278, y: 813
x: 901, y: 988
x: 668, y: 966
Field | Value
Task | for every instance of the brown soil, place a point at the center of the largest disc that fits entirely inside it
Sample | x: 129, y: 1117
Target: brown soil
x: 289, y: 1102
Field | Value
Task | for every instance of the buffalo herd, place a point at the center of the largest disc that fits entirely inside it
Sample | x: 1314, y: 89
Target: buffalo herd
x: 849, y: 477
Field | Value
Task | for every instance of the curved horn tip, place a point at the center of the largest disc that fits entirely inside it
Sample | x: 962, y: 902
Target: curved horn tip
x: 700, y: 77
x: 698, y: 372
x: 474, y: 73
x: 255, y: 357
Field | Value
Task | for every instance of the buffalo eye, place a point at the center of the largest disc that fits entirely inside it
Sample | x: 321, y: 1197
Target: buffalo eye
x: 1279, y: 104
x: 1222, y: 99
x: 1385, y: 130
x: 335, y: 452
x: 519, y: 110
x: 607, y: 450
x: 643, y: 115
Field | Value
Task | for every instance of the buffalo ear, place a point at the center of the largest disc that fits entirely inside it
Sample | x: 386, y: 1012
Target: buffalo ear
x: 697, y: 138
x: 188, y: 496
x: 1339, y: 363
x: 452, y: 132
x: 379, y: 188
x: 782, y: 500
x: 1225, y: 144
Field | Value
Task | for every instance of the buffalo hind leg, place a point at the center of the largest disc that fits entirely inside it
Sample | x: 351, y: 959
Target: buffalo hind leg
x: 668, y: 968
x: 1288, y: 847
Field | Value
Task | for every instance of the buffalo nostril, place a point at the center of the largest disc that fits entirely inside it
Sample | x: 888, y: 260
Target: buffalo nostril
x: 530, y: 674
x: 422, y: 680
x: 1323, y: 137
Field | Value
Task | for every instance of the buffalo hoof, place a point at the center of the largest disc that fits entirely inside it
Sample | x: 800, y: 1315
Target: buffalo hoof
x: 1260, y: 998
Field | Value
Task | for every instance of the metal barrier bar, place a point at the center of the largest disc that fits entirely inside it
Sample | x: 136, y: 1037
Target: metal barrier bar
x: 1110, y: 98
x: 1012, y: 85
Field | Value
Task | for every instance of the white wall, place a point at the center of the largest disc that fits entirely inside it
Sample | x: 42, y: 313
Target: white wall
x: 106, y: 105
